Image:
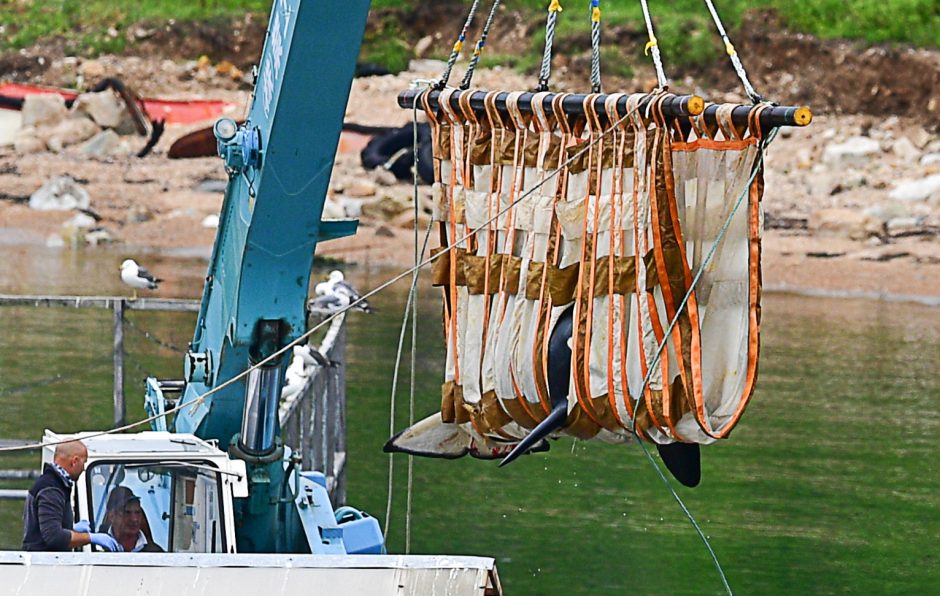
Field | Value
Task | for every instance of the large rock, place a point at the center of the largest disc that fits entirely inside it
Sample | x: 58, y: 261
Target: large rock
x: 384, y: 208
x: 930, y: 159
x: 43, y: 109
x: 844, y: 223
x: 424, y: 44
x: 60, y: 194
x: 904, y: 226
x: 106, y: 109
x: 106, y: 143
x: 855, y: 150
x: 27, y: 140
x: 81, y: 221
x: 888, y: 211
x: 333, y: 210
x: 70, y: 131
x: 905, y: 150
x: 916, y: 190
x: 92, y: 69
x: 360, y: 188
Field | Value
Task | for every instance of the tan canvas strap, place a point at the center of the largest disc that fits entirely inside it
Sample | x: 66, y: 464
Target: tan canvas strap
x: 452, y: 339
x: 753, y: 120
x: 645, y: 302
x: 616, y: 253
x: 435, y: 134
x: 543, y: 318
x: 584, y: 294
x: 664, y: 238
x: 723, y: 116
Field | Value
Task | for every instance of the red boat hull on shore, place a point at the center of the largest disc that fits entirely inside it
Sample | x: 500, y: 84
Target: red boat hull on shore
x: 171, y: 111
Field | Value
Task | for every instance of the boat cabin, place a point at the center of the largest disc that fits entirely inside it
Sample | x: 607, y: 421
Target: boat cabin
x: 184, y: 485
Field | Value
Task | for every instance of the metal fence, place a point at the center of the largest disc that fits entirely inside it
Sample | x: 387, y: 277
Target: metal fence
x: 313, y: 421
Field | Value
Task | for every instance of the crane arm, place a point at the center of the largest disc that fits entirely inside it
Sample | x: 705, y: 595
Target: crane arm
x: 279, y: 164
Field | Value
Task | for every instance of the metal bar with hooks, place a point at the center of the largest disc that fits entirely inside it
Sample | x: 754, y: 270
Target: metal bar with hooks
x: 673, y: 106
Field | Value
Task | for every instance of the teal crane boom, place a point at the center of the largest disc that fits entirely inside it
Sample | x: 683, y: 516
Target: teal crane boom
x: 254, y: 301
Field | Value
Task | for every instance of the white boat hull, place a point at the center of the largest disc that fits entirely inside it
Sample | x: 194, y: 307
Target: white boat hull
x: 172, y: 574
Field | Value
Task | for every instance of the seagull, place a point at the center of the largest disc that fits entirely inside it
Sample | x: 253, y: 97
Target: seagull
x: 306, y: 358
x: 334, y: 291
x: 311, y: 356
x: 330, y: 303
x: 137, y: 277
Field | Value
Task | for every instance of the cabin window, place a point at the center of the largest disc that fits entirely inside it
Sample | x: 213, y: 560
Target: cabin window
x: 169, y: 506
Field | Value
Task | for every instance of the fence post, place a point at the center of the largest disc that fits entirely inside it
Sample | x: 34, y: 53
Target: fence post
x: 119, y: 409
x: 339, y: 493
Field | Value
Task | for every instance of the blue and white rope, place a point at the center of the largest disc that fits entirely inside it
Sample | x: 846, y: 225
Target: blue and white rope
x: 458, y: 46
x: 596, y: 46
x: 478, y: 50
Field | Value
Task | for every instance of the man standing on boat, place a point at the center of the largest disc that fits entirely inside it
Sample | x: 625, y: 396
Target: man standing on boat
x: 47, y: 518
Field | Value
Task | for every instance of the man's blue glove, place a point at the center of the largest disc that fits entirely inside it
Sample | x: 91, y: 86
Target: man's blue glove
x: 105, y: 541
x: 82, y: 527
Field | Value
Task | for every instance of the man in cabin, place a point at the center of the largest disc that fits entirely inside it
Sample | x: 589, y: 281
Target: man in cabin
x: 47, y: 517
x: 126, y: 522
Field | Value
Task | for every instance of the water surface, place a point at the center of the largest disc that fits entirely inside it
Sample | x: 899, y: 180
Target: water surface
x: 829, y: 484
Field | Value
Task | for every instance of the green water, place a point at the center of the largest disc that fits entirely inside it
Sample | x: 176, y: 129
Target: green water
x: 829, y: 484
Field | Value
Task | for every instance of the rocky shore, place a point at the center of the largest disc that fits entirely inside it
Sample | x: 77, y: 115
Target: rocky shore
x: 852, y: 203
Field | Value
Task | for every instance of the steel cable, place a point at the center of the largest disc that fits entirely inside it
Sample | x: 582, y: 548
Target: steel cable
x: 595, y: 46
x: 545, y: 73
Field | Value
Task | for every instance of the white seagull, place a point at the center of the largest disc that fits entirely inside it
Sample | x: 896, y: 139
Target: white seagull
x: 306, y: 358
x: 335, y: 294
x: 137, y: 277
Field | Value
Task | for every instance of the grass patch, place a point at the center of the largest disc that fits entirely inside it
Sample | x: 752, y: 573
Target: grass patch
x: 385, y: 45
x: 688, y: 37
x: 686, y: 34
x: 524, y: 63
x: 97, y: 26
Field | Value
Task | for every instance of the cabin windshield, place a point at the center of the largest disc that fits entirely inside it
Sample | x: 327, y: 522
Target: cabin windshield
x: 180, y: 504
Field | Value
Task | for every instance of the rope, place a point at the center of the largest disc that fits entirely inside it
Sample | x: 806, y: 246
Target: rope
x: 553, y: 9
x: 596, y: 46
x: 758, y: 164
x: 391, y: 414
x: 411, y: 308
x: 733, y: 54
x: 458, y: 46
x: 478, y: 50
x: 414, y: 323
x: 652, y: 46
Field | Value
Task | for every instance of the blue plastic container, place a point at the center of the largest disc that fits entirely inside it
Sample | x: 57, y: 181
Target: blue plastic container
x: 361, y: 532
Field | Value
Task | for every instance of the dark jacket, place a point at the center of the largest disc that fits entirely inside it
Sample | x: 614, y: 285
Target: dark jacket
x: 47, y: 518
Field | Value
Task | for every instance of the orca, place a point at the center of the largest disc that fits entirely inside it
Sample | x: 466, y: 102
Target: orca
x: 559, y: 375
x: 432, y: 437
